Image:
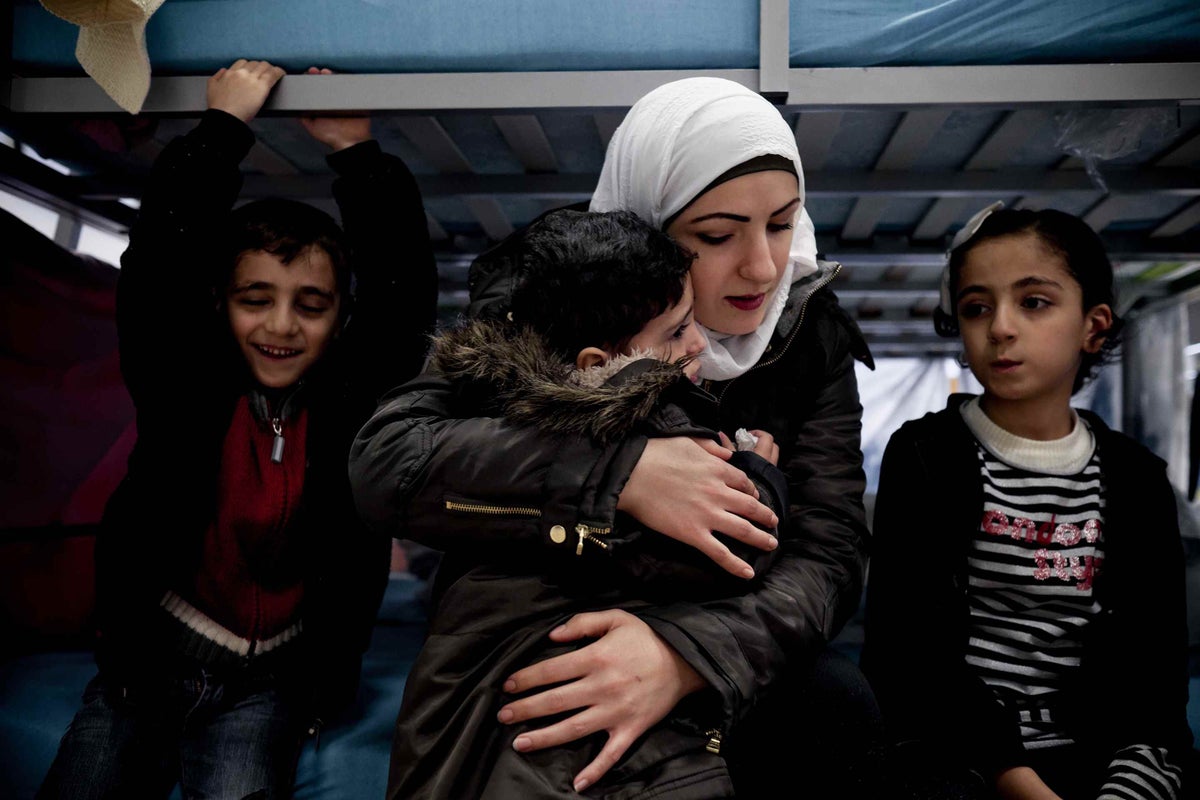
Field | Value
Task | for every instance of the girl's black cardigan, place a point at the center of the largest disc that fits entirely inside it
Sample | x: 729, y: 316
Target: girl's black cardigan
x: 1132, y: 685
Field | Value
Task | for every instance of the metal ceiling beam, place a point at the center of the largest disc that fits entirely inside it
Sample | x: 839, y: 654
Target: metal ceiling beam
x: 491, y: 216
x: 60, y: 193
x: 268, y: 161
x: 910, y: 139
x: 436, y: 232
x: 939, y: 217
x: 1184, y: 219
x: 1014, y: 86
x: 815, y: 131
x: 994, y: 153
x: 528, y: 141
x: 1006, y: 138
x: 894, y: 292
x: 606, y: 125
x: 579, y: 186
x: 1107, y: 211
x: 428, y: 135
x: 865, y: 215
x: 1182, y: 154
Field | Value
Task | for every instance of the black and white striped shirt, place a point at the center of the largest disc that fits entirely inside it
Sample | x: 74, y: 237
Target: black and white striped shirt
x: 1033, y: 558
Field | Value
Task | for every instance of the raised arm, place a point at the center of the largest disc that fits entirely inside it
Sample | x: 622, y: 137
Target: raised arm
x: 383, y: 343
x: 395, y: 299
x: 164, y: 297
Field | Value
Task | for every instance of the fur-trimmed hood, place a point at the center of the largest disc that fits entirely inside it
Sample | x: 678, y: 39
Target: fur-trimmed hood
x: 519, y: 376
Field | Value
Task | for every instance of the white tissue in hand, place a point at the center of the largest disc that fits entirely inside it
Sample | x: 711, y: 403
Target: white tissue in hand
x: 744, y: 439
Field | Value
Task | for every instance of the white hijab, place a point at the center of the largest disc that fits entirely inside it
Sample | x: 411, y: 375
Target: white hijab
x: 672, y: 144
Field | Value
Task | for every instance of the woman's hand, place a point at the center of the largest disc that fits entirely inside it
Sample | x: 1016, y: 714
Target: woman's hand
x: 683, y: 488
x: 241, y: 88
x: 623, y: 683
x: 337, y: 132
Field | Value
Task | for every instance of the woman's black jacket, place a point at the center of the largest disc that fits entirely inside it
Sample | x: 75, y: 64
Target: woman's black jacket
x: 185, y: 376
x: 417, y: 461
x: 1132, y: 685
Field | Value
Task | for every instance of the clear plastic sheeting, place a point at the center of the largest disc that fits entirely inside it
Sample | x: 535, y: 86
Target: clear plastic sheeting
x: 1094, y: 135
x: 900, y: 389
x: 1156, y: 386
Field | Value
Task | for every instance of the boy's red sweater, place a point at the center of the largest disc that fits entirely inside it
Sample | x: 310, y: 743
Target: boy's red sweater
x: 243, y: 582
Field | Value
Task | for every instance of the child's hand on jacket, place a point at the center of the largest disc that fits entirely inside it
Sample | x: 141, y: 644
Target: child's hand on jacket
x: 337, y: 132
x: 241, y: 88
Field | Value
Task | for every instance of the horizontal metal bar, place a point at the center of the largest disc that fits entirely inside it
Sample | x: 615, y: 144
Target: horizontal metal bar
x: 1014, y: 86
x: 475, y: 91
x: 573, y: 187
x: 48, y: 188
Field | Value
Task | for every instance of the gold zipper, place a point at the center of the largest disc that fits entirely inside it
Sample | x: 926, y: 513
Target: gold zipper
x: 795, y: 329
x: 589, y: 533
x: 478, y: 508
x: 714, y: 741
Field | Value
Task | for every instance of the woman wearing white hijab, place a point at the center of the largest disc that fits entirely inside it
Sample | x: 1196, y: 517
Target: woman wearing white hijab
x: 716, y: 166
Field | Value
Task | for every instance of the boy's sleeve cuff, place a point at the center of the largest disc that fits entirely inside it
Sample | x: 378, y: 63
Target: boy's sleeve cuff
x: 229, y: 133
x: 355, y: 158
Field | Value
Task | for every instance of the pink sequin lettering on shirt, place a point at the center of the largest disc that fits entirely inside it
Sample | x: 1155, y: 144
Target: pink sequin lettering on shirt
x: 1023, y: 528
x: 1041, y: 569
x: 995, y: 522
x: 1067, y: 534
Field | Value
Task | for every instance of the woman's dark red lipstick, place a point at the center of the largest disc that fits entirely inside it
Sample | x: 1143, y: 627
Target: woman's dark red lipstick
x: 746, y: 302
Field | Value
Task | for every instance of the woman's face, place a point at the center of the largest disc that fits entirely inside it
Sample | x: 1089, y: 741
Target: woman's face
x: 741, y: 233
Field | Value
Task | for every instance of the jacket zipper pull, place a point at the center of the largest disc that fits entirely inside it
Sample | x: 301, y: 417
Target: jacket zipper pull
x: 582, y: 531
x: 314, y: 730
x: 714, y: 741
x: 277, y: 445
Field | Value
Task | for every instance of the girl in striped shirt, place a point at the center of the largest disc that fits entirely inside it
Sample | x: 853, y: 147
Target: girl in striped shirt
x: 1025, y: 606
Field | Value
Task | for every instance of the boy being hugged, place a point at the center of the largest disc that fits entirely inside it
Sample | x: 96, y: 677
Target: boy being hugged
x: 236, y: 586
x: 1025, y: 627
x: 600, y: 342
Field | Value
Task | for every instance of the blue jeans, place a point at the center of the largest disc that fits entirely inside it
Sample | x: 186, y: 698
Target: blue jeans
x: 218, y: 740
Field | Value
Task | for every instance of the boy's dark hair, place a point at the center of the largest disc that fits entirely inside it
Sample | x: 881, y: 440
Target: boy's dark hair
x: 1081, y: 250
x: 284, y: 228
x: 595, y: 279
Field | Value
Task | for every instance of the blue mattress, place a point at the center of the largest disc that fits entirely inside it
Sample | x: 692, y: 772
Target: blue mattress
x: 198, y: 36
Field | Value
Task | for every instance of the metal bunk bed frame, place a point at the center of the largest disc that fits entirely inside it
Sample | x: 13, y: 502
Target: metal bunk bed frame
x: 893, y: 305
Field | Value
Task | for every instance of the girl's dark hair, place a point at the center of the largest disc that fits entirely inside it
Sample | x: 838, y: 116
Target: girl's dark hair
x: 595, y: 279
x: 284, y: 228
x: 1081, y: 251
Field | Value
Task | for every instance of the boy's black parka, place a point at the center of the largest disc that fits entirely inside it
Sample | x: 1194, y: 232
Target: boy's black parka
x: 185, y: 375
x: 1131, y: 687
x: 496, y: 607
x: 420, y: 452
